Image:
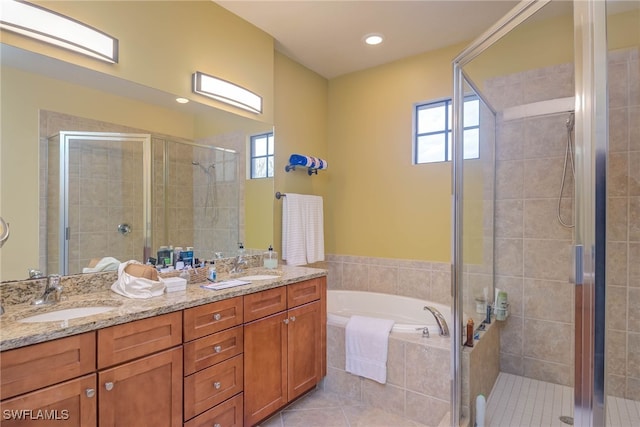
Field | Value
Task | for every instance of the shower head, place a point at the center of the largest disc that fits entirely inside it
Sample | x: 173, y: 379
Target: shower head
x: 205, y: 170
x: 570, y: 121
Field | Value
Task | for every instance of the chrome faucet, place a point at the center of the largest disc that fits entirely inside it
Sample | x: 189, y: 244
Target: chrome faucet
x: 442, y: 324
x: 52, y: 291
x: 238, y: 262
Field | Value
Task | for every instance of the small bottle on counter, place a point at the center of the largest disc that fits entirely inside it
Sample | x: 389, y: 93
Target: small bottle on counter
x: 212, y: 275
x: 469, y: 342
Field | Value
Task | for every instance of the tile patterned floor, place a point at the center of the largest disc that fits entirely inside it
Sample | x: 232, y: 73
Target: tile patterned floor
x: 518, y: 402
x: 325, y: 409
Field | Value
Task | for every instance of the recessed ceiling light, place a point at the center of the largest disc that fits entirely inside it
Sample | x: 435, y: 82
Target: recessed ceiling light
x: 182, y: 100
x: 373, y: 39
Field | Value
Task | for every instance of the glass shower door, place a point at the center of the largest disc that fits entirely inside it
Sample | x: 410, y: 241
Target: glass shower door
x: 104, y: 199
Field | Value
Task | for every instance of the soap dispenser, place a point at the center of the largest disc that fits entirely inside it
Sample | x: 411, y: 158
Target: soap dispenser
x: 270, y: 258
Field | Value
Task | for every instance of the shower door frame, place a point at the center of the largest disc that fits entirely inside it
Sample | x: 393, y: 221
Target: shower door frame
x: 590, y: 200
x: 66, y: 137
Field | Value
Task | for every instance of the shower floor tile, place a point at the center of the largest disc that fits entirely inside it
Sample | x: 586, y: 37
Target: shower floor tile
x: 518, y: 402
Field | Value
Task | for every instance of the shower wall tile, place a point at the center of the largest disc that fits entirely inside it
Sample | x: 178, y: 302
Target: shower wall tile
x: 545, y: 340
x: 542, y: 177
x: 617, y: 225
x: 619, y: 129
x: 616, y: 352
x: 509, y: 180
x: 514, y: 133
x: 617, y: 307
x: 547, y: 259
x: 618, y: 84
x: 545, y: 137
x: 511, y: 364
x: 617, y: 264
x: 511, y: 336
x: 634, y: 173
x: 633, y: 317
x: 548, y: 371
x: 537, y: 213
x: 509, y: 217
x: 618, y: 173
x: 508, y: 257
x: 544, y: 299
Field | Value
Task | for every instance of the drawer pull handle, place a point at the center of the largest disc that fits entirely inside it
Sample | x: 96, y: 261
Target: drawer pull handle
x: 108, y: 386
x: 217, y: 425
x: 90, y: 392
x: 217, y: 316
x: 286, y: 321
x: 217, y: 348
x: 217, y: 385
x: 293, y: 318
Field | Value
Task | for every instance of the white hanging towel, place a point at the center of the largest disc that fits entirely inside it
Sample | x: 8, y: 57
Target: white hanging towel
x: 302, y: 229
x: 367, y: 347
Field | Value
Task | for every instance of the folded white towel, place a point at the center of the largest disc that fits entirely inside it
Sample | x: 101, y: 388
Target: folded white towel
x: 366, y: 345
x: 105, y: 264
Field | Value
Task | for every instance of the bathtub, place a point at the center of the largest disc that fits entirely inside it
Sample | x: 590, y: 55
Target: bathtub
x: 408, y: 313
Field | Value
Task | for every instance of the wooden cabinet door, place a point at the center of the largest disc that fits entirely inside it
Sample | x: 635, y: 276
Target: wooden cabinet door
x: 145, y: 392
x: 265, y: 367
x: 304, y: 349
x: 69, y: 404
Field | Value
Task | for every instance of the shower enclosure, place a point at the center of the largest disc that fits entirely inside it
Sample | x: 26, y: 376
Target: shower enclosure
x: 124, y: 195
x: 564, y: 81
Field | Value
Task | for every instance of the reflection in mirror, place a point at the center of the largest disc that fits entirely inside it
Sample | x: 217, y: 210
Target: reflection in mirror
x: 95, y: 209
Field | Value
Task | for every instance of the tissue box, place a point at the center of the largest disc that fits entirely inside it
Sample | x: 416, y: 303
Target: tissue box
x: 174, y: 284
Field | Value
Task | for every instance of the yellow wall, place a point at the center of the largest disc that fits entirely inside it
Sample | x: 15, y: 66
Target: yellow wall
x: 300, y: 127
x: 381, y: 204
x: 162, y: 43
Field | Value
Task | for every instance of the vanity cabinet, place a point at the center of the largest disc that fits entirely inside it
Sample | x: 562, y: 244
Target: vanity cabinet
x: 284, y: 351
x: 214, y: 364
x: 49, y: 381
x: 140, y: 372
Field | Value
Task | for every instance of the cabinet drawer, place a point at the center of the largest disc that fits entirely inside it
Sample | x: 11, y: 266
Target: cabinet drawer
x: 209, y: 318
x: 129, y: 341
x: 213, y: 385
x: 212, y: 349
x: 304, y: 292
x: 39, y: 365
x: 226, y: 414
x: 71, y: 403
x: 265, y: 303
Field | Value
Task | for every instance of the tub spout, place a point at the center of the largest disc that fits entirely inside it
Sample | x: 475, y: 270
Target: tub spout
x: 442, y: 324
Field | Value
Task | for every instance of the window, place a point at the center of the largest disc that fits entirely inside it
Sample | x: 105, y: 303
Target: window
x: 432, y: 141
x: 262, y: 155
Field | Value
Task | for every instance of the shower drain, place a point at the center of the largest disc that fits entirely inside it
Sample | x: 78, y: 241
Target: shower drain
x: 567, y: 420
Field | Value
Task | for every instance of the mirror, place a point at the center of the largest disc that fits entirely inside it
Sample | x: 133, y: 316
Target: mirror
x: 216, y: 131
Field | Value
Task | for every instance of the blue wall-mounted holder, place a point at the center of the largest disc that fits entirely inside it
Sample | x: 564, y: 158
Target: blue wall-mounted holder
x: 310, y: 171
x: 313, y: 164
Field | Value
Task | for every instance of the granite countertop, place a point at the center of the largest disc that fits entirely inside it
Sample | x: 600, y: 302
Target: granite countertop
x: 14, y: 334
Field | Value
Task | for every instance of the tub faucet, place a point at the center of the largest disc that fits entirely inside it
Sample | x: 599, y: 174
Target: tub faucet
x: 52, y: 291
x: 442, y: 324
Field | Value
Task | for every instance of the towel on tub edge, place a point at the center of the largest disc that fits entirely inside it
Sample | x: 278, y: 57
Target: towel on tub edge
x: 366, y: 347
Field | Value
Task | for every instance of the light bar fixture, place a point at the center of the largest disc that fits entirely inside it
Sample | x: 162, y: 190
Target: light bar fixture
x: 224, y: 91
x: 51, y: 27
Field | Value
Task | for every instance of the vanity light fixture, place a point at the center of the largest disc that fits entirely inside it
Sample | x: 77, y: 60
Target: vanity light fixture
x: 51, y: 27
x: 373, y: 39
x: 227, y: 92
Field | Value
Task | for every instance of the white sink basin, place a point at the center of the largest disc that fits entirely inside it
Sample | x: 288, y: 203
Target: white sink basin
x: 259, y: 277
x: 66, y: 314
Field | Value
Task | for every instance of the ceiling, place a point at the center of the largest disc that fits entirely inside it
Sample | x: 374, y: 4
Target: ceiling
x: 326, y: 36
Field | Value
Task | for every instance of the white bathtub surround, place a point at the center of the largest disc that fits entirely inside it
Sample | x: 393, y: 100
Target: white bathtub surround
x: 366, y: 345
x: 428, y: 280
x: 418, y: 371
